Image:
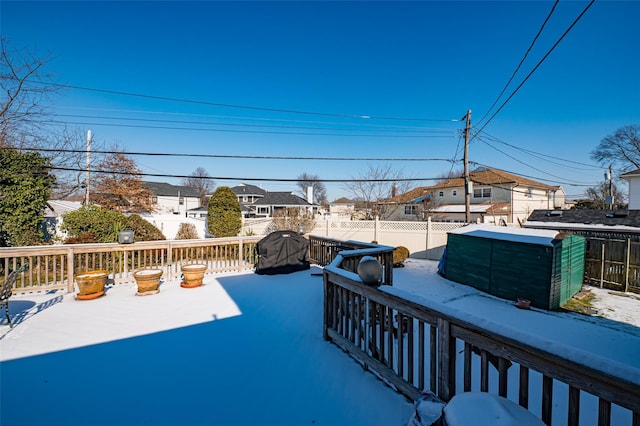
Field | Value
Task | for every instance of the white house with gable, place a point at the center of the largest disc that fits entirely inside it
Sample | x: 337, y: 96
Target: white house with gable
x: 633, y: 177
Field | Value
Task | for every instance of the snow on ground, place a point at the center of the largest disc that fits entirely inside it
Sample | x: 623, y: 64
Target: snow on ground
x: 617, y: 306
x: 247, y: 349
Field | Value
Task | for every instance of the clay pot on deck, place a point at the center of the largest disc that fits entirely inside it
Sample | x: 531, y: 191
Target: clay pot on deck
x: 192, y: 275
x: 523, y: 303
x: 148, y: 281
x: 91, y: 284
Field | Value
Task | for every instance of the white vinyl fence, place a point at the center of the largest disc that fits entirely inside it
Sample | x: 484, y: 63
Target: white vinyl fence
x: 425, y: 240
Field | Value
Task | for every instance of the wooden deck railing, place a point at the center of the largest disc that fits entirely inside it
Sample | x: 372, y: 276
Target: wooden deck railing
x: 323, y: 250
x: 53, y: 267
x: 413, y: 348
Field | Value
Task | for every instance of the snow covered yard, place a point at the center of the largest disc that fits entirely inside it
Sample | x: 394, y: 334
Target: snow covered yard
x: 243, y: 349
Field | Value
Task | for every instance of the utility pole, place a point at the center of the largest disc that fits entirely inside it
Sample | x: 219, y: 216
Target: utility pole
x: 86, y: 196
x: 467, y: 182
x: 610, y: 188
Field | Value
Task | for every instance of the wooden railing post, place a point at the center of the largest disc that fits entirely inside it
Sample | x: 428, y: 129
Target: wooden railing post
x: 70, y: 269
x: 446, y: 361
x: 626, y: 266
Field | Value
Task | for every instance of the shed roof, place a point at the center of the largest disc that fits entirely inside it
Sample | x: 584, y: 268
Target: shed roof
x: 608, y: 218
x: 541, y: 237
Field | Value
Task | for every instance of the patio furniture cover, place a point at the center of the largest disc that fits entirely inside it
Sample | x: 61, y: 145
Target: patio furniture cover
x: 282, y: 252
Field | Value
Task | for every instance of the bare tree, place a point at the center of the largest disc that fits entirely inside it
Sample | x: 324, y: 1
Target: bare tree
x: 597, y: 197
x: 319, y: 190
x: 621, y: 150
x: 25, y: 122
x: 201, y: 181
x: 22, y: 111
x: 374, y: 184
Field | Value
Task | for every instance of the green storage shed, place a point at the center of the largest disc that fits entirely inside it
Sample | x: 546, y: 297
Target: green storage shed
x: 543, y: 266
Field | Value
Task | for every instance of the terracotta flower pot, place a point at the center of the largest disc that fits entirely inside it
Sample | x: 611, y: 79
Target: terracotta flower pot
x: 148, y: 281
x: 523, y: 303
x: 91, y: 284
x: 192, y: 275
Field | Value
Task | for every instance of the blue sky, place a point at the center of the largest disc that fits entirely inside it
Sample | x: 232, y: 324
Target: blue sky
x: 413, y: 68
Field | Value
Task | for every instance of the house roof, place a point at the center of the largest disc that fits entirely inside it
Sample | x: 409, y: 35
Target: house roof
x: 59, y: 207
x: 610, y: 218
x: 407, y: 197
x: 343, y: 200
x: 632, y: 173
x: 480, y: 176
x: 164, y: 189
x: 244, y: 189
x: 489, y: 176
x: 281, y: 199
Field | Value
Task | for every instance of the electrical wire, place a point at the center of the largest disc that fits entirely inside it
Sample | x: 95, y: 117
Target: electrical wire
x: 366, y: 123
x: 524, y: 163
x: 254, y: 157
x: 239, y: 125
x: 236, y: 131
x: 533, y: 42
x: 543, y: 156
x: 531, y: 177
x: 242, y: 179
x: 537, y: 66
x: 246, y: 107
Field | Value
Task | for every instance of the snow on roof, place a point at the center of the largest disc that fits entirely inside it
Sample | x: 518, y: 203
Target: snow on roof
x: 542, y: 237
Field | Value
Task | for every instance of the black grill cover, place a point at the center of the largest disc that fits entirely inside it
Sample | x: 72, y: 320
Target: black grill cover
x: 282, y: 252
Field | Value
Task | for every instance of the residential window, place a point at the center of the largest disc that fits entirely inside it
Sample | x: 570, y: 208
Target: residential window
x: 454, y: 193
x: 410, y: 210
x: 154, y: 199
x: 181, y: 201
x: 245, y: 198
x: 263, y: 210
x: 529, y: 192
x: 441, y: 194
x: 481, y: 192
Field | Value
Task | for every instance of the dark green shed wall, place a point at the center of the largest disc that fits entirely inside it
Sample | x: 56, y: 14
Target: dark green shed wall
x: 546, y: 275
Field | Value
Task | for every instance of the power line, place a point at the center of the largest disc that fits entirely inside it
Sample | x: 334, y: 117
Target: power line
x: 242, y: 125
x: 521, y: 61
x: 532, y: 177
x: 541, y: 155
x: 235, y: 117
x: 522, y: 162
x: 247, y: 107
x: 254, y: 157
x: 236, y: 131
x: 246, y: 179
x: 537, y: 65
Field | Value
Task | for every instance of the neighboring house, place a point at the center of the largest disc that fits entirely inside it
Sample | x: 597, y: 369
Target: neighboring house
x: 497, y: 197
x: 633, y: 177
x: 342, y: 207
x: 274, y: 202
x: 53, y: 217
x: 173, y: 199
x: 610, y: 224
x: 248, y: 194
x: 256, y: 202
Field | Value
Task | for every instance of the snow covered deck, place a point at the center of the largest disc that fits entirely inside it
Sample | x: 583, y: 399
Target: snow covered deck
x: 242, y: 349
